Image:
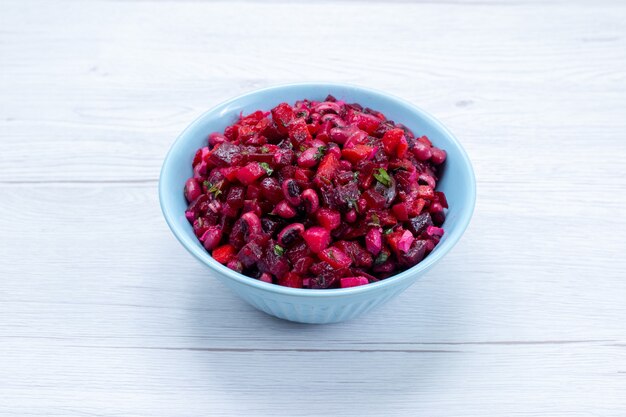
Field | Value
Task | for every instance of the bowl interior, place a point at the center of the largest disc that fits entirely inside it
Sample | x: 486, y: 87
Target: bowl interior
x: 457, y: 181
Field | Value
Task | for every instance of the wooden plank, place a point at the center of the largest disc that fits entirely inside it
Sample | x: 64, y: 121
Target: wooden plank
x: 133, y: 90
x: 102, y: 312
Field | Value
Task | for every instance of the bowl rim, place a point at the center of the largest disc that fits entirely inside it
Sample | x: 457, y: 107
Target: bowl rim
x: 204, y: 257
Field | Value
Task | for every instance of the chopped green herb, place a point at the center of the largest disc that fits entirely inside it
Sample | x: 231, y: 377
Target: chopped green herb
x: 267, y: 168
x: 356, y: 175
x: 265, y: 149
x: 213, y: 188
x: 387, y: 231
x: 383, y: 177
x: 320, y: 152
x: 375, y: 220
x: 303, y: 148
x: 279, y: 250
x: 381, y: 258
x: 331, y: 255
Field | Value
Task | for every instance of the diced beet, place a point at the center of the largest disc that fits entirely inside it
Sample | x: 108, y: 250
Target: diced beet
x: 273, y: 261
x: 235, y: 264
x: 391, y: 140
x: 358, y: 153
x: 302, y: 265
x: 250, y: 173
x: 325, y: 276
x: 271, y: 225
x: 414, y: 254
x: 416, y: 207
x: 271, y: 190
x: 223, y: 254
x: 335, y: 258
x: 366, y: 122
x: 353, y: 282
x: 425, y: 141
x: 236, y: 196
x: 297, y: 251
x: 359, y: 256
x: 252, y: 206
x: 223, y: 154
x: 283, y: 115
x: 250, y: 253
x: 317, y: 238
x: 402, y: 148
x: 230, y: 173
x: 417, y: 225
x: 344, y: 197
x: 384, y: 268
x: 373, y: 241
x: 329, y: 219
x: 291, y: 279
x: 438, y: 218
x: 405, y: 241
x: 202, y: 155
x: 231, y: 132
x: 230, y: 211
x: 237, y: 236
x: 200, y: 226
x: 434, y: 231
x: 401, y: 211
x: 426, y: 192
x: 374, y: 199
x: 327, y: 169
x: 200, y: 170
x: 441, y: 198
x: 357, y: 138
x: 253, y: 191
x: 345, y: 176
x: 265, y: 277
x: 302, y: 177
x: 298, y: 132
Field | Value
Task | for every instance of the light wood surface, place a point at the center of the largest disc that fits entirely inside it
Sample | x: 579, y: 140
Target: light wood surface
x: 103, y: 313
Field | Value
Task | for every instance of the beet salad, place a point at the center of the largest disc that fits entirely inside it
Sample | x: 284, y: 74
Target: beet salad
x: 317, y: 195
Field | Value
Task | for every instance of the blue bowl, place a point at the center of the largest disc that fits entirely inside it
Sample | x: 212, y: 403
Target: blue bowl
x: 306, y: 305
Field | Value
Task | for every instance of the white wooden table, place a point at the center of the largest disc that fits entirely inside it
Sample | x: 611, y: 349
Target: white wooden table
x: 103, y: 313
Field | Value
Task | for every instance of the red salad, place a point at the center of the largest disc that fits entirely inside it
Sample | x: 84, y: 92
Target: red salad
x: 317, y: 195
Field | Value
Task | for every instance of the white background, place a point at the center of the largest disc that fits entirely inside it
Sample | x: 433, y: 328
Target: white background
x: 103, y: 313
